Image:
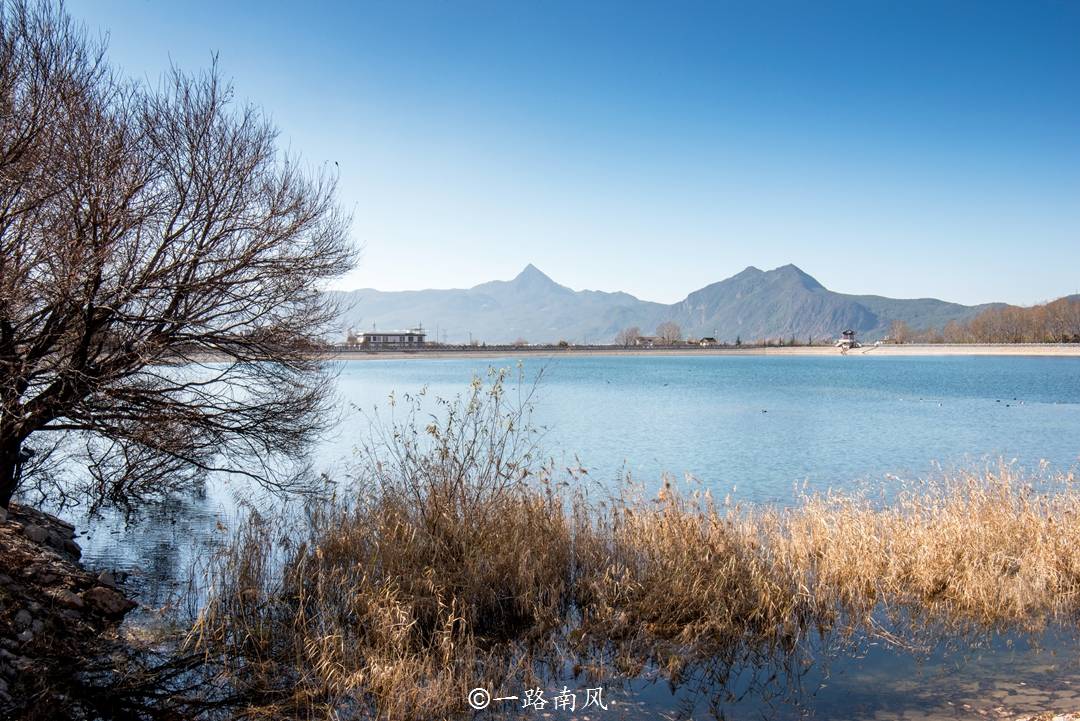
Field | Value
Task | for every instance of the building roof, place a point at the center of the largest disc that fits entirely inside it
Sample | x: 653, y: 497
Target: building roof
x: 394, y: 332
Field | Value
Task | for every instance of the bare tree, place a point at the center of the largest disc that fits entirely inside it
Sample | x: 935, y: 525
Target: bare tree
x: 1055, y: 322
x: 1063, y: 320
x: 669, y: 332
x: 900, y: 332
x: 628, y: 336
x: 160, y: 264
x: 954, y: 332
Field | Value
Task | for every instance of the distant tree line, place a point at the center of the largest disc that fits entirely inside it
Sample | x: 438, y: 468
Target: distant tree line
x: 1054, y: 322
x: 671, y: 333
x: 667, y: 333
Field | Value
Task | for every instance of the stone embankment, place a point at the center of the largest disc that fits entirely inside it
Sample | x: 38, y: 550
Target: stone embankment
x: 53, y: 612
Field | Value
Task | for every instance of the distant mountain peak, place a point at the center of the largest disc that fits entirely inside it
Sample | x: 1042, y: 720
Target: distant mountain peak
x: 531, y: 271
x: 750, y: 270
x: 532, y: 275
x: 793, y: 271
x: 752, y: 305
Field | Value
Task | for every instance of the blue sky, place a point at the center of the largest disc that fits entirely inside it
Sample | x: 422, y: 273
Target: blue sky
x: 902, y: 148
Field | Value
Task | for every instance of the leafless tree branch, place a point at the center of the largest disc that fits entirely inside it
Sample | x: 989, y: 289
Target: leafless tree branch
x: 160, y: 271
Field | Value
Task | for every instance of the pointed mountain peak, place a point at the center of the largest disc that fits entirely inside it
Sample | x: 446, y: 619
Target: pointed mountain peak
x: 748, y: 271
x: 798, y: 274
x: 530, y: 280
x: 532, y: 274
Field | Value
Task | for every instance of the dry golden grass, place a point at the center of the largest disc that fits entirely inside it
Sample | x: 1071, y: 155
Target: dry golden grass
x: 455, y: 563
x: 445, y: 562
x: 981, y: 549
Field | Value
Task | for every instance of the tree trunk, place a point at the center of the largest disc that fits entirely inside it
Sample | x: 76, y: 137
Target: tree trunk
x: 9, y: 469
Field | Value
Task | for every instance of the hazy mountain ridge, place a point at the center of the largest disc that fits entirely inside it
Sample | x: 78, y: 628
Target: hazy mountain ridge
x: 752, y: 304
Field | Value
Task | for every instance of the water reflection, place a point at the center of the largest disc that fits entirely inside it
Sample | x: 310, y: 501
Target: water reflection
x: 154, y: 553
x: 1005, y: 675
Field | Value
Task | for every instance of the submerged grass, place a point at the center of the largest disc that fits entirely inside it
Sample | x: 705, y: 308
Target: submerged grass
x: 457, y: 561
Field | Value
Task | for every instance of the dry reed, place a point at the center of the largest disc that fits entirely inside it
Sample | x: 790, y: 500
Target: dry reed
x: 457, y: 562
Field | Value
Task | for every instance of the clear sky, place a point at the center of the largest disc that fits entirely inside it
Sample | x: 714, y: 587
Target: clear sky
x: 902, y: 148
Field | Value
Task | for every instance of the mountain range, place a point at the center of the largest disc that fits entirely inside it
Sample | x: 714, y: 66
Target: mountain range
x: 751, y: 305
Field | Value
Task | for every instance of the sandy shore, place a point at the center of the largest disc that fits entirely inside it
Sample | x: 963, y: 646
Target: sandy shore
x: 1062, y: 350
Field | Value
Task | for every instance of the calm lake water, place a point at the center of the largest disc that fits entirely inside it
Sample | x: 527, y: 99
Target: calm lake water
x: 762, y: 425
x: 766, y: 423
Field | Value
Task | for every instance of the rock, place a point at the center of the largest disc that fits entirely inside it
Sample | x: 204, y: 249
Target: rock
x: 106, y: 578
x: 68, y: 598
x: 46, y: 625
x: 35, y: 533
x: 107, y: 601
x: 21, y: 663
x: 3, y: 515
x: 70, y: 528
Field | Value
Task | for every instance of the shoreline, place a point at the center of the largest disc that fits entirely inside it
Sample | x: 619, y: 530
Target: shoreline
x: 1062, y: 350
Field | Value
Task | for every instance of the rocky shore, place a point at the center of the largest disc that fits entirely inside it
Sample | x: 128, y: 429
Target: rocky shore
x: 53, y: 612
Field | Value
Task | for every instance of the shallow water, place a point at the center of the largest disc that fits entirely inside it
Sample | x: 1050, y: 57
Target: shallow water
x: 760, y: 425
x: 996, y: 677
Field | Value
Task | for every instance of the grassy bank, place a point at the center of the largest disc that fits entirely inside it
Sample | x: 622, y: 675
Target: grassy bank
x: 456, y: 559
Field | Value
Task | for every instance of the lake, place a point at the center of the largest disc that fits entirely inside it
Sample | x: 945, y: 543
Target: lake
x: 758, y: 425
x: 765, y: 423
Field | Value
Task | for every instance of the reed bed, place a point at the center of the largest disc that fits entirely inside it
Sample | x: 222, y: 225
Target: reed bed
x: 991, y: 550
x: 457, y: 560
